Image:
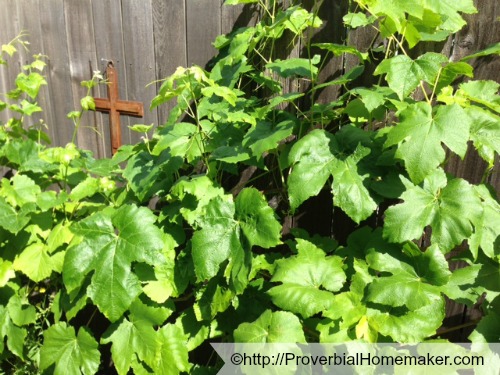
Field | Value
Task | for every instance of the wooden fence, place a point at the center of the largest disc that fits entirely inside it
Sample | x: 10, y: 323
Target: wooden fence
x: 148, y: 39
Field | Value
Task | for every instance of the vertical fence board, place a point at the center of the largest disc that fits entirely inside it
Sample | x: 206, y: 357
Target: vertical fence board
x: 203, y: 21
x: 58, y: 72
x: 109, y: 46
x: 138, y: 39
x: 82, y: 57
x: 28, y: 22
x: 9, y: 29
x: 169, y: 22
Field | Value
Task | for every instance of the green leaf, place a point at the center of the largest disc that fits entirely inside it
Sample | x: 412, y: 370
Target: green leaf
x: 449, y: 11
x: 411, y: 285
x: 225, y: 93
x: 484, y: 133
x: 148, y: 174
x: 411, y: 327
x: 203, y: 190
x: 256, y: 219
x: 172, y: 353
x: 21, y: 312
x: 141, y: 128
x: 295, y: 67
x: 30, y: 84
x: 493, y: 49
x: 308, y: 278
x: 6, y: 272
x: 340, y: 49
x: 349, y: 191
x: 265, y: 137
x: 219, y: 238
x: 35, y: 262
x: 71, y: 354
x: 405, y: 74
x: 396, y: 10
x: 312, y: 159
x: 271, y: 327
x: 434, y: 204
x: 181, y: 140
x: 420, y: 133
x: 9, y: 49
x: 19, y: 190
x: 355, y: 20
x: 130, y: 339
x: 16, y: 336
x: 11, y: 219
x: 487, y: 226
x: 87, y: 103
x: 111, y: 241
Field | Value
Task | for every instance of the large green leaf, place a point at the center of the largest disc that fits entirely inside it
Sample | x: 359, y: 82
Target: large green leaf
x: 487, y: 226
x: 308, y: 278
x: 19, y: 190
x: 131, y: 339
x: 148, y: 174
x: 11, y: 219
x: 414, y: 283
x: 349, y: 191
x: 314, y: 159
x: 266, y: 136
x: 485, y: 132
x: 449, y: 11
x: 217, y: 240
x: 72, y: 354
x: 396, y: 10
x: 420, y: 133
x: 180, y: 139
x: 449, y: 207
x: 295, y: 67
x: 271, y: 327
x: 411, y: 327
x: 405, y: 74
x: 256, y: 219
x: 35, y: 262
x: 110, y: 241
x: 171, y: 353
x: 15, y: 335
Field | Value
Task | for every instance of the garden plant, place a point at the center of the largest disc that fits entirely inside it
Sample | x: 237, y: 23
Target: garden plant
x: 135, y: 263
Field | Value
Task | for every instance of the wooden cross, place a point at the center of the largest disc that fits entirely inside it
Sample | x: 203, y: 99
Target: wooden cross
x: 116, y: 107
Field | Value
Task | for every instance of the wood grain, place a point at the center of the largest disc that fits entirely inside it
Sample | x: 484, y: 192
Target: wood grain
x: 169, y: 26
x: 138, y: 45
x: 203, y: 24
x: 82, y: 61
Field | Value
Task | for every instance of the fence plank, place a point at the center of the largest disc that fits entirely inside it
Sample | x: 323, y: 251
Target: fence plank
x: 169, y: 22
x: 203, y: 24
x: 107, y: 17
x: 138, y: 38
x: 82, y: 58
x: 9, y: 29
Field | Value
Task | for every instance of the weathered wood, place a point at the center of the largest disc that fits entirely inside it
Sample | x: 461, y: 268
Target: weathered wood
x: 108, y: 28
x: 82, y: 57
x: 116, y: 107
x: 58, y: 74
x: 138, y: 44
x: 203, y: 18
x: 10, y: 18
x: 169, y: 23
